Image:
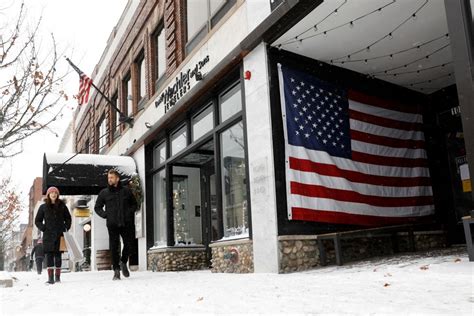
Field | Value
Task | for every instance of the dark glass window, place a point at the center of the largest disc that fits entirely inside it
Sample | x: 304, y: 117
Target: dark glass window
x: 234, y: 182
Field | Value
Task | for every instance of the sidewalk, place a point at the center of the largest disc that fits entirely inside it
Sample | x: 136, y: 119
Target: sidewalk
x: 426, y: 283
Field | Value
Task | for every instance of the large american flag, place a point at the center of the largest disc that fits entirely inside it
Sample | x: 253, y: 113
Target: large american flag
x: 352, y: 158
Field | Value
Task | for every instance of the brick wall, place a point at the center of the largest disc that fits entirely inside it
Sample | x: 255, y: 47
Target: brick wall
x: 138, y: 38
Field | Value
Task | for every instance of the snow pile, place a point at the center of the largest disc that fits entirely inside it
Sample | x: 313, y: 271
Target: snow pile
x: 441, y: 284
x: 123, y: 164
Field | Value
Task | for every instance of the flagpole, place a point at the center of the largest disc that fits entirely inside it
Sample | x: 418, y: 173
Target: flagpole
x: 123, y: 118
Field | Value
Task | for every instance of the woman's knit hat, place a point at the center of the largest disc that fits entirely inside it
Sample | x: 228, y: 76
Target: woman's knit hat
x: 52, y: 189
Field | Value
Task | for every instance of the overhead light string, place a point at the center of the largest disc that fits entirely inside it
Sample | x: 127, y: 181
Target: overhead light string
x: 415, y: 71
x: 325, y: 32
x: 412, y: 62
x: 388, y: 35
x: 416, y: 47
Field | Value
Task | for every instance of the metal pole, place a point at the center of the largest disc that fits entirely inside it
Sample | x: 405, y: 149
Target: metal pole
x: 123, y: 117
x: 459, y: 18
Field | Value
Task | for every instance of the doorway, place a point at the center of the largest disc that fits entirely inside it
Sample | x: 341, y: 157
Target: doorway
x: 195, y: 200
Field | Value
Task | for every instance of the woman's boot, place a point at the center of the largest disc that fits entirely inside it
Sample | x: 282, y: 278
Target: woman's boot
x: 50, y: 275
x: 58, y: 275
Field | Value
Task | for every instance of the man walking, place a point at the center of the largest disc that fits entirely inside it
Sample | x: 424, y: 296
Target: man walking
x: 120, y: 206
x: 38, y: 254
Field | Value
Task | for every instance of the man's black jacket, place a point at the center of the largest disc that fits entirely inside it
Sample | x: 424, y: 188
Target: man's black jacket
x: 120, y: 206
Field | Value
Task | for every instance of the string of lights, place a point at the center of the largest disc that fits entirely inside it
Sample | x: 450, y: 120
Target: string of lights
x: 413, y: 16
x: 428, y: 81
x: 391, y: 55
x: 300, y: 39
x: 415, y: 71
x: 315, y: 27
x: 412, y: 62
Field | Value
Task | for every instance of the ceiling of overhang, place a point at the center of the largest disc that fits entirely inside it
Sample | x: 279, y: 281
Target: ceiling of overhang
x: 404, y: 42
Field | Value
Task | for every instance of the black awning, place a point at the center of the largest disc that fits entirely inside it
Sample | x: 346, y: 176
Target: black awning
x: 84, y: 174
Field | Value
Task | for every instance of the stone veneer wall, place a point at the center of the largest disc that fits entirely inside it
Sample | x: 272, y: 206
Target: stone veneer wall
x: 177, y: 259
x: 300, y: 252
x: 234, y: 256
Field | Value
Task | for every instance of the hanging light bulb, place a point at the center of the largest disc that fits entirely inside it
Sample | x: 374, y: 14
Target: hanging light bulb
x: 365, y: 61
x: 368, y: 49
x: 391, y: 56
x: 300, y: 45
x: 390, y: 36
x: 351, y: 24
x: 315, y: 27
x: 349, y: 57
x: 325, y: 33
x: 414, y: 16
x: 335, y: 12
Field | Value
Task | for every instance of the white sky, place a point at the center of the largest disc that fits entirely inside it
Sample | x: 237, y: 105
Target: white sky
x: 82, y: 27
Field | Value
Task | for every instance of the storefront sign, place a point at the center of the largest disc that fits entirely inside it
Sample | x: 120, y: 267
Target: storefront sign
x: 181, y: 86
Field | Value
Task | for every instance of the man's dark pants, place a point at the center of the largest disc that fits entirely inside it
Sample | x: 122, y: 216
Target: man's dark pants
x: 127, y: 233
x: 39, y: 264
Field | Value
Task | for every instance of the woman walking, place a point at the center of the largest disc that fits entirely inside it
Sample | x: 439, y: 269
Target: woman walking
x: 53, y: 219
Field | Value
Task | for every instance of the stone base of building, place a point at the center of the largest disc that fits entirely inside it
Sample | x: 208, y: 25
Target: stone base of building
x: 300, y: 252
x: 177, y: 259
x: 234, y: 256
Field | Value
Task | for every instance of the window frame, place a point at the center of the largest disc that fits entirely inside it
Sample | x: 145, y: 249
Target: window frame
x: 102, y: 123
x: 211, y: 22
x: 140, y: 99
x: 213, y: 135
x: 157, y: 77
x: 125, y: 94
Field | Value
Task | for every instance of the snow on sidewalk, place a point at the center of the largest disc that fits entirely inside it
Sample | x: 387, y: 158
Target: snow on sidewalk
x: 416, y: 284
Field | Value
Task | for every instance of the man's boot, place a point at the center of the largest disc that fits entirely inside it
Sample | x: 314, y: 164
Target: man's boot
x: 58, y: 275
x: 116, y: 275
x: 50, y: 276
x: 125, y: 272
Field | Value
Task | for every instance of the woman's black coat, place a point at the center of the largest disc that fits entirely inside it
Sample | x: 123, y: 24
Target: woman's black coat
x: 53, y: 220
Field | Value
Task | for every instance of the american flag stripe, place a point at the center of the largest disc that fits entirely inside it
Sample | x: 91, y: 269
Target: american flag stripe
x: 308, y: 178
x: 323, y: 169
x: 357, y: 197
x: 345, y: 217
x: 387, y: 141
x: 387, y: 151
x: 360, y: 208
x: 374, y: 109
x: 84, y: 89
x: 389, y: 161
x: 381, y: 179
x: 392, y: 105
x: 385, y: 131
x: 385, y: 122
x: 362, y: 167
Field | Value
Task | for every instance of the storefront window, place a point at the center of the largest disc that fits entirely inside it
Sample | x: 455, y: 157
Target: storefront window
x: 159, y: 185
x: 159, y: 155
x: 234, y: 182
x: 230, y: 103
x: 178, y: 141
x: 203, y: 123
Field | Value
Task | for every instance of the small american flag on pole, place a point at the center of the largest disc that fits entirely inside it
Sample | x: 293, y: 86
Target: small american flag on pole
x: 351, y: 158
x: 84, y: 89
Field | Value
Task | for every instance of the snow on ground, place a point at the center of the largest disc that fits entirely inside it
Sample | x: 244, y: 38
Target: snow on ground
x: 426, y: 283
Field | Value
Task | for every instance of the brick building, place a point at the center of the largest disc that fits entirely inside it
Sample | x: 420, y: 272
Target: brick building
x: 203, y: 84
